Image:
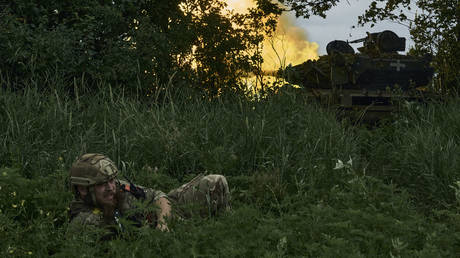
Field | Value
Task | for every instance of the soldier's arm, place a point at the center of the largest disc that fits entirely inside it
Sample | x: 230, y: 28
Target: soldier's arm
x: 93, y: 218
x: 92, y: 222
x: 163, y: 212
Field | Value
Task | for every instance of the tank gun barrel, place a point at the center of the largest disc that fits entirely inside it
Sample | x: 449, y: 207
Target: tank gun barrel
x: 357, y: 40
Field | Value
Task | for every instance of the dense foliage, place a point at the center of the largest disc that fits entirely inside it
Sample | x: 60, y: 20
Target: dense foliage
x: 302, y: 182
x: 136, y: 44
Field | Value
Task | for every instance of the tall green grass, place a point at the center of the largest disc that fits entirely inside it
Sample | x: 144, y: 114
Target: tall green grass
x: 419, y: 151
x: 397, y: 196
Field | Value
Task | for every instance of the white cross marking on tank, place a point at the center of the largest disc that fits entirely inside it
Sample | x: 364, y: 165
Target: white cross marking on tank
x: 398, y: 65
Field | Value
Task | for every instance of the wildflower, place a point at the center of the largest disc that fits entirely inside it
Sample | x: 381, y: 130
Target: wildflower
x: 456, y: 187
x: 13, y: 193
x: 47, y: 214
x: 60, y: 159
x: 339, y: 164
x: 22, y: 202
x: 14, y: 206
x: 29, y: 252
x: 350, y: 162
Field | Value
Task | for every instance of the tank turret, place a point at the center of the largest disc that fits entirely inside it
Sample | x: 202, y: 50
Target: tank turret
x: 381, y: 42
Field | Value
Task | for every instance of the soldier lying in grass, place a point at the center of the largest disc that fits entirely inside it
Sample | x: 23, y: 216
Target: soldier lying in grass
x: 101, y: 199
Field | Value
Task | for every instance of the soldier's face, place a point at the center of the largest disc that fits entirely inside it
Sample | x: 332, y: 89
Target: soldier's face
x: 105, y: 193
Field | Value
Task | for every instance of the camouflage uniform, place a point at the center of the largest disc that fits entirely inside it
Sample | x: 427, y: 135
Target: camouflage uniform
x: 203, y: 195
x: 84, y: 213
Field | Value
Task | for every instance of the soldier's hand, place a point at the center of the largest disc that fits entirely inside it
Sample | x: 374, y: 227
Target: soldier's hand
x: 163, y: 227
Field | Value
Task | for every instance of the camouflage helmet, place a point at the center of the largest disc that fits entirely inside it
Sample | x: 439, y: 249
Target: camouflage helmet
x: 91, y: 169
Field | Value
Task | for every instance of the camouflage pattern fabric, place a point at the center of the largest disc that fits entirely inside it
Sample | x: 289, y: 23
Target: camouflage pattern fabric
x: 203, y: 195
x: 83, y: 214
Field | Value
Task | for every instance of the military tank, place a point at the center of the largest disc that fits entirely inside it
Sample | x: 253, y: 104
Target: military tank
x: 368, y: 81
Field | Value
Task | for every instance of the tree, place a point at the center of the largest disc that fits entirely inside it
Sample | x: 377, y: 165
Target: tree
x: 306, y: 8
x: 65, y: 39
x: 226, y: 43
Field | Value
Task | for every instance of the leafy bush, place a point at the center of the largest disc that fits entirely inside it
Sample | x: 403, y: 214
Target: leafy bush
x: 419, y: 151
x: 137, y: 45
x: 32, y: 212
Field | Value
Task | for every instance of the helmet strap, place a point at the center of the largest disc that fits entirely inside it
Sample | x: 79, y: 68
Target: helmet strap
x: 92, y: 194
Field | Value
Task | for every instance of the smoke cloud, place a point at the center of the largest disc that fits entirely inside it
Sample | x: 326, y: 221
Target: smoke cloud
x: 289, y: 45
